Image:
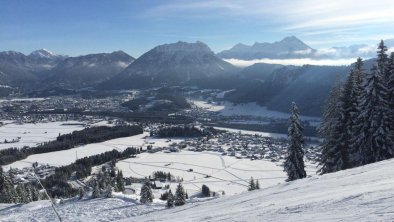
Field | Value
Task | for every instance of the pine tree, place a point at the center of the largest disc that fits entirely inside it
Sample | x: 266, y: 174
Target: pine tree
x: 252, y: 186
x: 327, y: 131
x: 170, y: 199
x: 35, y: 195
x: 257, y: 185
x: 294, y: 163
x: 374, y: 143
x: 2, y: 179
x: 205, y: 190
x: 146, y: 193
x: 180, y: 196
x: 119, y: 182
x: 390, y: 88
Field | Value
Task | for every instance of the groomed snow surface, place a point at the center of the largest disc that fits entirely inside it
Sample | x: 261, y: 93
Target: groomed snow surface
x: 360, y: 194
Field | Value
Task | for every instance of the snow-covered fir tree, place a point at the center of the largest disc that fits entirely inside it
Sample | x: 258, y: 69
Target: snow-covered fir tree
x: 120, y: 182
x: 146, y: 195
x: 374, y: 142
x: 327, y: 131
x: 257, y: 185
x: 252, y: 185
x: 294, y: 163
x: 390, y: 89
x: 170, y: 199
x: 337, y: 147
x: 180, y: 195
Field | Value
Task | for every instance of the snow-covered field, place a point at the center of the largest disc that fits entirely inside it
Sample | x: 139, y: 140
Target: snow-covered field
x: 30, y: 134
x: 65, y: 157
x: 219, y: 173
x: 361, y: 194
x: 245, y: 109
x: 251, y: 132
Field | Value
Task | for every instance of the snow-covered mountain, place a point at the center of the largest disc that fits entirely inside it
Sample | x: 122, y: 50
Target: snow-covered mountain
x: 17, y: 69
x: 43, y: 53
x: 359, y: 194
x: 175, y: 63
x: 289, y: 47
x: 88, y: 70
x: 43, y: 68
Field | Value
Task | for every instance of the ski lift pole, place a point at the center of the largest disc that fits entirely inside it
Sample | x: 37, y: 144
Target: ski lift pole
x: 46, y: 193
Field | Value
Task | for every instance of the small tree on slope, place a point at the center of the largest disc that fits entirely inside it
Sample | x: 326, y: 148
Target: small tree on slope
x: 146, y: 193
x: 180, y: 196
x: 170, y: 199
x: 294, y: 163
x: 252, y: 185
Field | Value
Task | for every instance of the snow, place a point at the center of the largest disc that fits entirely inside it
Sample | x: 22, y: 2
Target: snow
x: 65, y: 157
x: 361, y: 194
x: 245, y: 109
x: 251, y: 132
x: 226, y: 173
x: 30, y: 134
x: 22, y: 99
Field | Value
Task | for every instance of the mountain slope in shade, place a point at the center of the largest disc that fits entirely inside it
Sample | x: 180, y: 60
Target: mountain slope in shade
x: 276, y: 86
x: 175, y: 63
x: 88, y: 70
x: 17, y: 69
x: 287, y: 48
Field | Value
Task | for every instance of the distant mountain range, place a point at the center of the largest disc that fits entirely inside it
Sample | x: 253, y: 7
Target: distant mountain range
x: 293, y: 48
x: 287, y: 48
x: 88, y: 70
x: 182, y: 64
x: 43, y: 68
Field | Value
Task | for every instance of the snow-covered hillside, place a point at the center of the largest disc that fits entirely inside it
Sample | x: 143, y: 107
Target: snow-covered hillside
x: 361, y: 194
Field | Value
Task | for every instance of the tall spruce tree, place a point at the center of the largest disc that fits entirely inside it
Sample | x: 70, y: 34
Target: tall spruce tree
x: 294, y: 163
x: 374, y: 143
x: 390, y: 88
x: 252, y: 185
x: 180, y: 195
x: 170, y: 199
x: 327, y: 131
x: 146, y: 193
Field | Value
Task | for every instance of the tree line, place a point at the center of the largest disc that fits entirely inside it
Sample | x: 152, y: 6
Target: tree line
x: 57, y: 185
x: 358, y: 122
x: 71, y: 140
x: 184, y: 131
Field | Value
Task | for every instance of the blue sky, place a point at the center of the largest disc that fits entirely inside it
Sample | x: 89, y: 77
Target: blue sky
x: 88, y: 26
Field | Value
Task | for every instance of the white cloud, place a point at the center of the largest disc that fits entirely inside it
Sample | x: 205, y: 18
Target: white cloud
x: 296, y: 62
x: 343, y: 21
x: 303, y: 52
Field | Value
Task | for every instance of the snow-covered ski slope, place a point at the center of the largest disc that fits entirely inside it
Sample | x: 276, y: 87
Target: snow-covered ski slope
x: 360, y: 194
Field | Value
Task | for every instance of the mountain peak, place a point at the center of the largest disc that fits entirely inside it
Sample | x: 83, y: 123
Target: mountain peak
x: 181, y: 46
x: 291, y: 39
x: 42, y: 53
